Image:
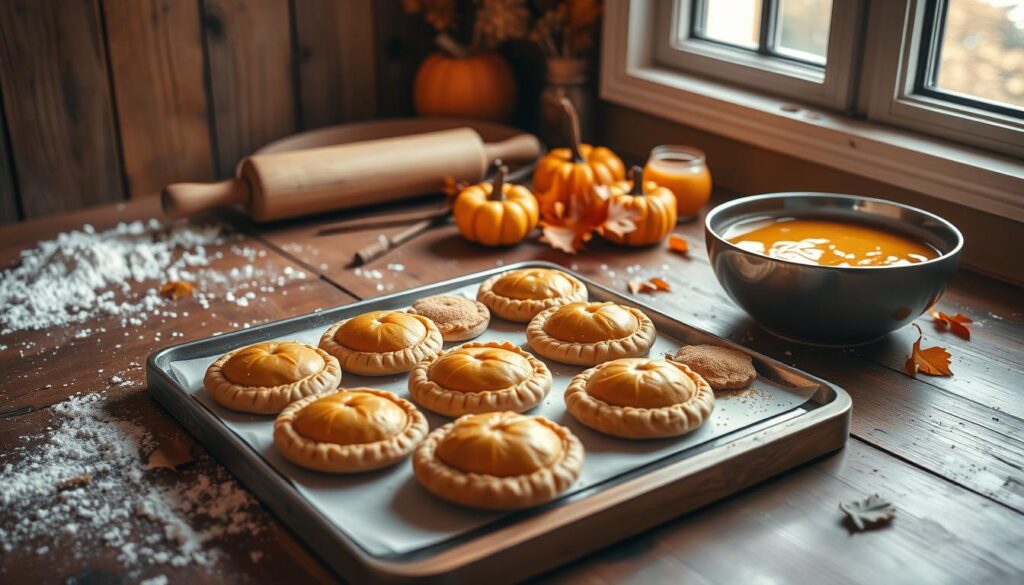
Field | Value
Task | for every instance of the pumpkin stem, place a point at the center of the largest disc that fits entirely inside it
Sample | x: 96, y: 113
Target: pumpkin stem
x: 574, y: 128
x: 498, y: 186
x: 638, y: 181
x: 451, y: 46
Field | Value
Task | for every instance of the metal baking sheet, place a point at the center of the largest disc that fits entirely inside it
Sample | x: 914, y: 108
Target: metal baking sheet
x: 385, y: 514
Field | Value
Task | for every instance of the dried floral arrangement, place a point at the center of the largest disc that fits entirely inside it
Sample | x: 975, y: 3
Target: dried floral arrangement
x: 561, y: 28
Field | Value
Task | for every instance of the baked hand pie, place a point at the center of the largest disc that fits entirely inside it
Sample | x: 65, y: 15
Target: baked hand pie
x: 499, y: 461
x: 480, y: 377
x: 457, y: 318
x: 265, y: 377
x: 380, y: 343
x: 518, y: 295
x: 637, y: 398
x: 586, y: 334
x: 351, y: 430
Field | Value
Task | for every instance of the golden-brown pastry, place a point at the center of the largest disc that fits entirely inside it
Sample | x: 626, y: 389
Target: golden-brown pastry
x: 499, y: 461
x: 380, y: 343
x: 457, y: 318
x: 586, y: 334
x: 724, y: 368
x: 480, y: 377
x: 638, y: 398
x: 265, y: 377
x: 351, y: 430
x: 518, y: 295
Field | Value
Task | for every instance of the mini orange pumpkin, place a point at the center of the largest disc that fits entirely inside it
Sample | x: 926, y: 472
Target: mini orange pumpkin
x: 479, y: 86
x: 653, y: 208
x: 565, y: 177
x: 605, y: 164
x: 496, y: 214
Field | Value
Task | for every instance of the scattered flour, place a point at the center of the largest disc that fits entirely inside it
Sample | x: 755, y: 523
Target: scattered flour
x: 83, y: 274
x: 84, y: 483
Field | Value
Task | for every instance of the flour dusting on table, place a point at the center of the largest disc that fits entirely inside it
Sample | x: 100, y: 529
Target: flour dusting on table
x: 83, y: 485
x: 84, y: 274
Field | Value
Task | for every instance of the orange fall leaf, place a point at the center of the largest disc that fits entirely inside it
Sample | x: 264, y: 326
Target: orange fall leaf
x: 637, y: 286
x: 176, y: 289
x: 678, y: 244
x: 932, y: 361
x: 957, y: 323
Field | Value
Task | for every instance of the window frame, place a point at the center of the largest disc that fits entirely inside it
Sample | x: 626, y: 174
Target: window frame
x: 631, y: 76
x: 895, y: 93
x: 829, y: 86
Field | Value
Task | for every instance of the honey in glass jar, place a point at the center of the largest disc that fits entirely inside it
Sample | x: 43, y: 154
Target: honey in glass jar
x: 684, y: 171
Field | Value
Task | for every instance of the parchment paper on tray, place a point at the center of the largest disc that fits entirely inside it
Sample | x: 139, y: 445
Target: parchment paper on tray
x: 386, y: 511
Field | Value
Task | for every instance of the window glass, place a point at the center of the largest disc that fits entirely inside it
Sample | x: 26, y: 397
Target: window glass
x: 736, y: 22
x: 803, y: 27
x: 982, y: 50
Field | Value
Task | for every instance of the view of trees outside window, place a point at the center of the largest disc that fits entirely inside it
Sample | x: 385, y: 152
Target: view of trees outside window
x: 983, y: 50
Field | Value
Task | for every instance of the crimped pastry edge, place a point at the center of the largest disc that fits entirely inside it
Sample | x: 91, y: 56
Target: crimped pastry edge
x: 630, y: 422
x: 522, y: 310
x: 498, y: 493
x: 637, y: 344
x: 335, y: 458
x: 268, y: 399
x: 367, y: 363
x: 518, y: 398
x: 463, y: 333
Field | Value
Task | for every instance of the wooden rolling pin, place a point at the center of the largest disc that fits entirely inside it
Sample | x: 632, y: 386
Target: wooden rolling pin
x: 302, y: 182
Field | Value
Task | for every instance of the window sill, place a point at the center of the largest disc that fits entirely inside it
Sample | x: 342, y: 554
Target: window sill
x: 979, y: 179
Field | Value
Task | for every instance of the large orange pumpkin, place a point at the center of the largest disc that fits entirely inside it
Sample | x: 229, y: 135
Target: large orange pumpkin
x: 496, y: 214
x: 652, y: 206
x: 478, y: 86
x: 565, y: 177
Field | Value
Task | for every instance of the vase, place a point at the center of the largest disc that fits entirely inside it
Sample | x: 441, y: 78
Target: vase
x: 565, y: 77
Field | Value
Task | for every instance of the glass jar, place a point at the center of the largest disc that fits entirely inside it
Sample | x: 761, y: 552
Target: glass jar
x: 684, y: 171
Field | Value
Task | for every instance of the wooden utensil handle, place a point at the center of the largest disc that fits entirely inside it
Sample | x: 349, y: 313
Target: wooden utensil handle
x: 385, y: 244
x: 187, y: 199
x: 379, y: 221
x: 521, y: 148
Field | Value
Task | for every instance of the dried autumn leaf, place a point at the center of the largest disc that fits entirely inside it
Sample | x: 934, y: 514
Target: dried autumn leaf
x: 678, y: 244
x: 563, y: 238
x: 621, y: 220
x: 932, y: 361
x: 956, y: 323
x: 871, y: 511
x: 73, y: 483
x: 176, y: 289
x: 661, y: 284
x: 171, y: 453
x: 652, y: 285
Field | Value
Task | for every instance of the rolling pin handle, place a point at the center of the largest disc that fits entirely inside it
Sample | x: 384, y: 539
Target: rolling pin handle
x: 188, y: 199
x: 521, y: 149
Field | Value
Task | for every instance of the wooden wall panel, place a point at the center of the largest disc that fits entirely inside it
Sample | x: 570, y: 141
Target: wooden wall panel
x: 336, y: 61
x: 249, y: 49
x: 156, y: 60
x: 8, y: 194
x: 57, y: 101
x: 403, y: 41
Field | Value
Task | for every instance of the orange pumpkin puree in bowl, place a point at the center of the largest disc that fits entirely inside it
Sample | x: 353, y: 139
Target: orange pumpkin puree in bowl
x: 825, y: 242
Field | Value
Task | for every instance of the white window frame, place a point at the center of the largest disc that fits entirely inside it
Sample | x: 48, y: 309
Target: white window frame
x: 894, y: 42
x: 829, y: 86
x: 634, y: 76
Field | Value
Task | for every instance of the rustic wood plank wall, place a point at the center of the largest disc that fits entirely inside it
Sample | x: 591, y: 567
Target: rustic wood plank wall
x: 104, y: 100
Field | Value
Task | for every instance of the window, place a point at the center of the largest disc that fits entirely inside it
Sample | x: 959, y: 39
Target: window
x: 951, y: 68
x: 802, y: 49
x: 920, y: 94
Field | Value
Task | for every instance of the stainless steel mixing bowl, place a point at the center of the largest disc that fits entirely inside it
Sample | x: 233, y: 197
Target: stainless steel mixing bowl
x: 828, y: 305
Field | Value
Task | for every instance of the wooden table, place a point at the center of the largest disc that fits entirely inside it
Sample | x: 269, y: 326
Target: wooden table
x: 949, y: 452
